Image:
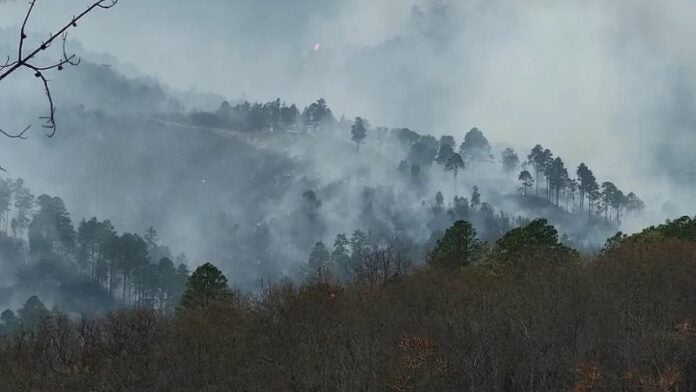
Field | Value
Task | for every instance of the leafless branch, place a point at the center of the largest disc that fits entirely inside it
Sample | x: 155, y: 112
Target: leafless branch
x: 10, y: 66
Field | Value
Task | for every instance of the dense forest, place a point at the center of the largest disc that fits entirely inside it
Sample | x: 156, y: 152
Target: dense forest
x: 522, y: 313
x: 479, y: 219
x: 84, y: 269
x: 404, y: 217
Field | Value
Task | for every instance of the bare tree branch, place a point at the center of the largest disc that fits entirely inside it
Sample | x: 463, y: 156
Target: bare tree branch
x: 10, y: 66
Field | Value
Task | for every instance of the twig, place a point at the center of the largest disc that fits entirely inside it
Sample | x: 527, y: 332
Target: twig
x: 23, y: 61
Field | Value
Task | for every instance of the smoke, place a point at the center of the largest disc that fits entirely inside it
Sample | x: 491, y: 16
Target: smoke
x: 605, y: 83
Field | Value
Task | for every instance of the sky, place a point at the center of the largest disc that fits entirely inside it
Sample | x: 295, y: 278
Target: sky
x: 609, y: 83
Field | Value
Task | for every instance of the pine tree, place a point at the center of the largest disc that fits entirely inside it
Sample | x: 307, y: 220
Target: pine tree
x: 207, y: 286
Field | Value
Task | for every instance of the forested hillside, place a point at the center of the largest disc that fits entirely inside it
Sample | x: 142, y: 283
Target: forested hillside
x: 262, y: 189
x: 522, y: 313
x: 347, y: 195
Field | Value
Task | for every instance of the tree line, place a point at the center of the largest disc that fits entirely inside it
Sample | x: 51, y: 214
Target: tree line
x: 133, y: 269
x: 521, y: 313
x: 272, y: 116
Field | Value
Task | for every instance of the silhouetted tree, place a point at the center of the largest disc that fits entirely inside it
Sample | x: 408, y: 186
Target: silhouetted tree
x: 317, y: 114
x: 439, y: 201
x: 475, y: 147
x: 9, y: 323
x: 359, y: 132
x: 634, y: 204
x: 33, y: 313
x: 51, y: 232
x: 23, y: 203
x: 340, y: 257
x: 454, y: 165
x: 319, y: 267
x: 475, y: 197
x: 423, y: 152
x: 359, y: 246
x: 527, y: 181
x: 608, y: 194
x: 558, y: 176
x: 588, y: 186
x: 446, y: 150
x: 408, y: 137
x: 510, y: 160
x: 537, y: 159
x: 571, y: 190
x: 131, y: 254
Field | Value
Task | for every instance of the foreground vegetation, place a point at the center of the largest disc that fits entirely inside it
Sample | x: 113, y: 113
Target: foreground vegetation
x: 525, y: 313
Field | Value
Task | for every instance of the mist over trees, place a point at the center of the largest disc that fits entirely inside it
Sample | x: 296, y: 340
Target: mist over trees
x: 326, y: 252
x: 276, y: 181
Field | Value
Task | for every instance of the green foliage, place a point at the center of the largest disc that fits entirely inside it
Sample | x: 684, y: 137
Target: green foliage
x: 681, y: 230
x: 457, y: 248
x: 207, y: 286
x: 536, y: 241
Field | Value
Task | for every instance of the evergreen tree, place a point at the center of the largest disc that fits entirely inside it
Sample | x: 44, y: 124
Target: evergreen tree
x: 408, y: 137
x: 523, y: 243
x: 538, y: 162
x: 457, y: 248
x: 131, y: 254
x: 317, y: 114
x: 33, y: 313
x: 558, y: 176
x: 439, y: 201
x: 527, y: 181
x: 359, y: 132
x: 359, y: 247
x: 24, y: 205
x: 5, y: 204
x: 446, y: 150
x: 319, y: 266
x: 608, y: 196
x: 51, y: 232
x: 588, y: 187
x: 475, y: 147
x: 207, y: 286
x: 634, y: 204
x: 475, y: 198
x: 9, y: 323
x: 423, y: 152
x: 510, y: 160
x: 455, y: 163
x: 340, y: 256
